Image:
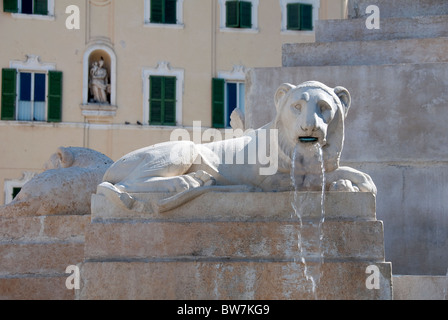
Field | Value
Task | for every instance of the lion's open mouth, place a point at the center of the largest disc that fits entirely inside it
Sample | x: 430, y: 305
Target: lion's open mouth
x: 308, y: 139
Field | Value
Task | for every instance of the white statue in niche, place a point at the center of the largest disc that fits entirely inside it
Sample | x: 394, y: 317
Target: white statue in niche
x: 99, y: 82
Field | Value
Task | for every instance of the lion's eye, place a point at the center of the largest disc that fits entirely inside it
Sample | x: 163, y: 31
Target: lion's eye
x: 298, y: 106
x: 325, y: 110
x: 324, y: 106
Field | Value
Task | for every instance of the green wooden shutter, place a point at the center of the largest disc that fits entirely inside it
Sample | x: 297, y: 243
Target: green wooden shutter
x: 157, y: 11
x: 245, y: 14
x: 155, y: 100
x: 162, y: 100
x: 9, y: 86
x: 170, y: 12
x: 41, y: 7
x: 218, y: 98
x: 293, y: 16
x: 169, y: 108
x: 306, y: 17
x: 10, y: 6
x: 232, y: 14
x: 54, y: 96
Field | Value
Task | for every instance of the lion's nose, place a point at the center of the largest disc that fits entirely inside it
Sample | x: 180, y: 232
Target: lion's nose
x: 308, y: 129
x: 309, y: 126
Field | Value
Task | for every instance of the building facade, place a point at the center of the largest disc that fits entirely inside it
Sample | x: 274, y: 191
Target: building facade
x: 116, y: 76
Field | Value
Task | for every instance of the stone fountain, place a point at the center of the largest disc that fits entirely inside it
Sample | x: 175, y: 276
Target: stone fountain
x: 269, y: 214
x: 181, y: 220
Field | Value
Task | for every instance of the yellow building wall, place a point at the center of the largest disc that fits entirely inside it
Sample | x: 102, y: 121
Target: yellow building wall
x: 200, y: 48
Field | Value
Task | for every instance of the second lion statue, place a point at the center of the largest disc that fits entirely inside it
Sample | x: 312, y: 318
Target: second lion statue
x: 308, y: 115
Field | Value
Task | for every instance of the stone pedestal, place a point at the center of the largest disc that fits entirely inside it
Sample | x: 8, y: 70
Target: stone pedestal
x: 235, y: 246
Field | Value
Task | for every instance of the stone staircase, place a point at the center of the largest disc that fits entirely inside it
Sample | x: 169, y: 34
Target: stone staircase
x: 410, y: 32
x: 398, y: 8
x: 390, y: 29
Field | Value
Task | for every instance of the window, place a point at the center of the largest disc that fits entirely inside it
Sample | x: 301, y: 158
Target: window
x: 162, y: 100
x: 15, y: 192
x: 238, y: 14
x: 31, y: 106
x: 299, y: 16
x: 164, y: 13
x: 13, y: 187
x: 31, y: 95
x: 226, y: 97
x: 37, y: 7
x: 163, y: 88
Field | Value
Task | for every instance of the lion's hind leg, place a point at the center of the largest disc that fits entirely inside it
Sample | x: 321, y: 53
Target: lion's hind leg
x: 167, y: 184
x: 119, y: 194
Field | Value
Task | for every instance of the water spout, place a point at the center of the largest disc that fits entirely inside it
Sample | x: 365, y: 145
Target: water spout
x: 307, y: 164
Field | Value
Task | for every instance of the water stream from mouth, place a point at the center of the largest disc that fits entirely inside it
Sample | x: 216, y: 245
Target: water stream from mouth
x: 299, y: 174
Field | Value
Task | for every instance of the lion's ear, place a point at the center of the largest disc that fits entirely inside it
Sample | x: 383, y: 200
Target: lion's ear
x: 345, y: 98
x: 66, y: 157
x: 282, y: 91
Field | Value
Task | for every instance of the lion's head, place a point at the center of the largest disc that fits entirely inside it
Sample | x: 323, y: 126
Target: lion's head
x: 312, y: 113
x: 77, y: 157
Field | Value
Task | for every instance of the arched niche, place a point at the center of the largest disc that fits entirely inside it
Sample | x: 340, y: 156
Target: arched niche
x: 95, y: 54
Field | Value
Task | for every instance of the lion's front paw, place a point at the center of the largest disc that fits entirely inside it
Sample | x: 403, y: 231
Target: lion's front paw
x: 349, y: 179
x: 199, y: 178
x: 116, y: 195
x: 204, y: 178
x: 343, y: 185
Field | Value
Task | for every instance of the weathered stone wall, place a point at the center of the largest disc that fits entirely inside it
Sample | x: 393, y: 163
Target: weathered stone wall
x: 396, y: 128
x: 395, y: 131
x: 34, y: 254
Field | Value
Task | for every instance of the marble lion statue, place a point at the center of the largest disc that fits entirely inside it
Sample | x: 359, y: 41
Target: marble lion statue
x: 308, y: 115
x: 66, y: 185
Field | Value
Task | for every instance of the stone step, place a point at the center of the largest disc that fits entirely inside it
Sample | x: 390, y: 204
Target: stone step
x: 408, y: 287
x: 382, y: 52
x: 39, y: 258
x: 49, y: 287
x: 234, y: 280
x: 35, y: 252
x: 398, y: 8
x: 390, y: 29
x: 43, y: 244
x: 243, y: 206
x: 356, y: 240
x: 44, y: 228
